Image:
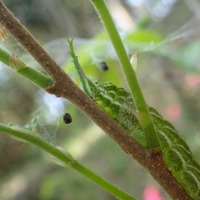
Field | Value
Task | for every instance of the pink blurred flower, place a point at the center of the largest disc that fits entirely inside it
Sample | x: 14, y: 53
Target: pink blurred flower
x: 192, y: 80
x: 174, y: 111
x: 152, y: 193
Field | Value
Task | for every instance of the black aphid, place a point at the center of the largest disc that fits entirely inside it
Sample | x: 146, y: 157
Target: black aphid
x: 103, y: 66
x: 67, y: 119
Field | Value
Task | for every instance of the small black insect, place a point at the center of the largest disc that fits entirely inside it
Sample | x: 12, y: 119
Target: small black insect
x: 67, y: 119
x: 103, y: 66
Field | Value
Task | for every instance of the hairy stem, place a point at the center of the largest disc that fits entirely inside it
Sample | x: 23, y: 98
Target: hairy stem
x: 66, y: 159
x: 78, y: 69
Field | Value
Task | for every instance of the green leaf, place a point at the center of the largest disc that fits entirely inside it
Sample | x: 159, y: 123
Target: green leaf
x: 144, y: 36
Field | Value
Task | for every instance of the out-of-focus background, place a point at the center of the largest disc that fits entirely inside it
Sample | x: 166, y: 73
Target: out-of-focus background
x: 164, y: 33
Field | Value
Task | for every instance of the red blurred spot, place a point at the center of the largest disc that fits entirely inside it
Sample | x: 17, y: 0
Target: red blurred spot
x: 192, y: 80
x: 174, y: 111
x: 152, y: 193
x: 153, y: 152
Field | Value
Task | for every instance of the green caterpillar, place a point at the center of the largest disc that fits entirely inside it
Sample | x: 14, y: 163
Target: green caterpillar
x: 176, y: 154
x: 119, y: 104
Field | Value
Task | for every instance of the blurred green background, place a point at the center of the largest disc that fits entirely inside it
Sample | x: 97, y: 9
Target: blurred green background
x: 166, y: 36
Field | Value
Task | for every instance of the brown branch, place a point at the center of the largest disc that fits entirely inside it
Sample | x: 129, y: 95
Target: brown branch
x: 64, y: 87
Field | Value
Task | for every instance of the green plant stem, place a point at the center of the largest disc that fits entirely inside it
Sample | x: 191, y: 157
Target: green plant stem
x: 102, y: 182
x: 36, y: 77
x: 66, y: 158
x: 76, y: 64
x: 143, y: 116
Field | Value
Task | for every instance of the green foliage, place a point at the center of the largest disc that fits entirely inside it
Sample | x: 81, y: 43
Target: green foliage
x: 140, y: 40
x: 176, y: 154
x: 143, y: 37
x: 120, y: 106
x: 90, y: 54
